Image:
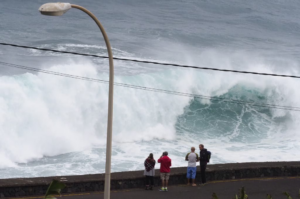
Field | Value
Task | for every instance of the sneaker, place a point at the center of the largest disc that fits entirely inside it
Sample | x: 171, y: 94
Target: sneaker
x: 166, y: 189
x: 162, y: 189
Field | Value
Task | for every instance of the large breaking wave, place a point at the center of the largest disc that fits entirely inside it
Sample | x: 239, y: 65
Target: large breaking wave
x: 52, y: 125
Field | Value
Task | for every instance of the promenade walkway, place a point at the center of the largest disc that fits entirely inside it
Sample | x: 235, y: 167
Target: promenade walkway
x: 255, y: 188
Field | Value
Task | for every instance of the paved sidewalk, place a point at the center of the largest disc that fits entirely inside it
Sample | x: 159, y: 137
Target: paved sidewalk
x: 255, y: 188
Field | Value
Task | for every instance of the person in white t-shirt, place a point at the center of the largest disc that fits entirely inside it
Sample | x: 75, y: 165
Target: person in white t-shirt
x: 192, y: 159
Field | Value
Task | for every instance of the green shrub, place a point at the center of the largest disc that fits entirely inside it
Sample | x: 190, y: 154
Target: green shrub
x: 242, y: 194
x: 287, y: 195
x: 214, y: 195
x: 54, y: 189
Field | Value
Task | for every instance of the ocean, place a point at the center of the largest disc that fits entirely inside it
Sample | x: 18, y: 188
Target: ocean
x: 52, y: 125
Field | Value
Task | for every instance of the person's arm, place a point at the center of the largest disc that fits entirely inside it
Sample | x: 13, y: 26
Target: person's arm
x: 207, y: 154
x: 198, y: 159
x: 159, y: 160
x: 187, y: 157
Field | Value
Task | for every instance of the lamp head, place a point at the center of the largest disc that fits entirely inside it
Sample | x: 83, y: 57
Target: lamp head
x: 55, y: 9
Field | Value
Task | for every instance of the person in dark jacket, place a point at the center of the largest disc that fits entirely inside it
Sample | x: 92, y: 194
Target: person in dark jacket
x: 149, y: 171
x: 203, y: 162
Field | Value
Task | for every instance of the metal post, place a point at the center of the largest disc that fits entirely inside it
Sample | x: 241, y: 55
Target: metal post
x: 110, y: 103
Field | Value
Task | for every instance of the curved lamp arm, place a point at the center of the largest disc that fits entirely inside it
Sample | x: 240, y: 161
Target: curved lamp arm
x: 57, y: 9
x: 110, y: 103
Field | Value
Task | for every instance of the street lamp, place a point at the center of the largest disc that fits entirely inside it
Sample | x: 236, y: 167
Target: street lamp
x: 58, y: 9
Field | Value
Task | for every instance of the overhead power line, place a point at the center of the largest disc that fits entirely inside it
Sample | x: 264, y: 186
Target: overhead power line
x: 151, y: 62
x: 222, y: 99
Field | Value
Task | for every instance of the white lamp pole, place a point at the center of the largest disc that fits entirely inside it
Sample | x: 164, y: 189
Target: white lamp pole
x: 57, y: 9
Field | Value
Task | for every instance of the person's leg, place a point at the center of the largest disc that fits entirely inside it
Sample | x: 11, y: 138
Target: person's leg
x: 162, y: 184
x: 146, y: 182
x: 202, y: 173
x: 162, y: 176
x: 188, y: 176
x: 193, y: 176
x: 203, y: 177
x: 151, y: 182
x: 167, y: 181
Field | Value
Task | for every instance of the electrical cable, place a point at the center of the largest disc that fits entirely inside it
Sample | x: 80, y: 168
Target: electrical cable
x: 222, y: 99
x: 152, y: 62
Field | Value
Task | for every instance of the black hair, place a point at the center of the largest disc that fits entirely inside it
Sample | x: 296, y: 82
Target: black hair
x: 151, y: 156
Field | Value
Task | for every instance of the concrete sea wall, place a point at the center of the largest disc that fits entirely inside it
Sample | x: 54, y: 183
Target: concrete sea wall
x: 135, y: 179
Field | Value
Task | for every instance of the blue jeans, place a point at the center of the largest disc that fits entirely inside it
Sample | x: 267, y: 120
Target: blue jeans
x: 191, y: 172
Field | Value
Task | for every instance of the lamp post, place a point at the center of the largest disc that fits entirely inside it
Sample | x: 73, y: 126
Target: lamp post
x: 58, y: 9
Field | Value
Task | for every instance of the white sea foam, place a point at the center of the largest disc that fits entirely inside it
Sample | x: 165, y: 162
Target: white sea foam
x: 49, y: 122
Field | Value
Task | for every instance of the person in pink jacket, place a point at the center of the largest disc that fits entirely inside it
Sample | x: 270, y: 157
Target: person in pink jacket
x: 165, y: 164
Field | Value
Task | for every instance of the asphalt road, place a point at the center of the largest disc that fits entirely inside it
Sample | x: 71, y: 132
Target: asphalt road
x: 255, y: 188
